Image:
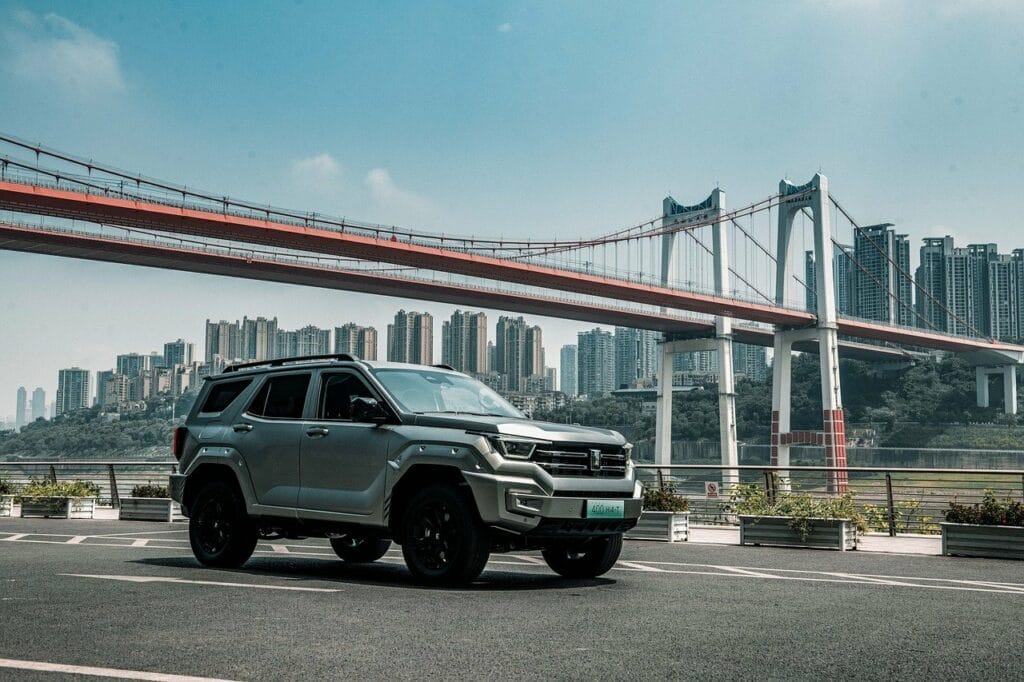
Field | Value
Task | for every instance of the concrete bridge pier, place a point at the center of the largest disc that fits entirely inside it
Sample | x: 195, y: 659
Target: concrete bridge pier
x: 711, y: 208
x: 812, y: 196
x: 1009, y: 373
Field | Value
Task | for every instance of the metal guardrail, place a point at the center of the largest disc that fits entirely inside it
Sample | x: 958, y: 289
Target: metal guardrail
x: 115, y: 479
x: 892, y: 499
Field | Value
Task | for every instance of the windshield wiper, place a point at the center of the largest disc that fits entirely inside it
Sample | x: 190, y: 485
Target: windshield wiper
x: 473, y: 414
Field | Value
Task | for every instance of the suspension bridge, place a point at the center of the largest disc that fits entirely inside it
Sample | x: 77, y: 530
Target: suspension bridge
x: 703, y: 275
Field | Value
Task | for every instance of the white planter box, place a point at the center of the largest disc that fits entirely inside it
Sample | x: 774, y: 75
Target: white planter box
x: 6, y: 505
x: 150, y: 509
x: 661, y: 525
x: 58, y: 507
x: 838, y: 534
x: 997, y: 542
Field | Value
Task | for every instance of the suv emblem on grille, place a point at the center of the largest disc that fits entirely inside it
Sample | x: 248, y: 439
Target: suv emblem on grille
x: 595, y: 459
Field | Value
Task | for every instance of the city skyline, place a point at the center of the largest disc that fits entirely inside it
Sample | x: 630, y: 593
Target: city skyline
x: 934, y: 159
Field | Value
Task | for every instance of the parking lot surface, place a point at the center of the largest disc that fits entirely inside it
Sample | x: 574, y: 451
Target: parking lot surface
x: 87, y: 598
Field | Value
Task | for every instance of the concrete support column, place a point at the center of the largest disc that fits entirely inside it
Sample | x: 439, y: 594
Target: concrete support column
x: 981, y: 385
x: 781, y: 403
x: 1009, y: 389
x: 663, y: 408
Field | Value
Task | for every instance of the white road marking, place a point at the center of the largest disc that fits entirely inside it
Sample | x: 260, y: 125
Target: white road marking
x: 140, y: 532
x: 639, y: 567
x: 77, y: 540
x: 745, y: 571
x: 528, y: 559
x: 116, y: 673
x: 182, y: 581
x: 139, y: 542
x: 279, y: 549
x: 15, y: 537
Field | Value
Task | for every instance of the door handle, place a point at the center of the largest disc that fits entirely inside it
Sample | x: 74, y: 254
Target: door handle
x: 239, y: 428
x: 317, y: 431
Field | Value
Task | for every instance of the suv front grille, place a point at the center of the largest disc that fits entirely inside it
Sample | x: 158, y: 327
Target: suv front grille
x: 577, y: 461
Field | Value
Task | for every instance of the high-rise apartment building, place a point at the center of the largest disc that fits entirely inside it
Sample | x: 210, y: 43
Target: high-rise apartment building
x: 73, y: 390
x: 1003, y: 302
x: 223, y: 341
x: 519, y: 352
x: 360, y: 342
x: 750, y: 362
x: 257, y: 339
x: 38, y: 404
x: 21, y: 408
x: 179, y: 352
x: 883, y: 285
x: 843, y: 275
x: 596, y: 363
x: 636, y: 357
x: 133, y: 364
x: 101, y: 386
x: 411, y: 338
x: 568, y: 370
x: 464, y: 342
x: 956, y: 292
x: 117, y: 389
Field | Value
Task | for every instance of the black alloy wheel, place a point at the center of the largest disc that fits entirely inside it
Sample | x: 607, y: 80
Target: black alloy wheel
x: 219, y: 531
x: 443, y: 539
x: 359, y: 549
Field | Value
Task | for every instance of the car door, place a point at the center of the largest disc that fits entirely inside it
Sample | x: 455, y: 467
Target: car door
x: 343, y: 462
x: 270, y: 433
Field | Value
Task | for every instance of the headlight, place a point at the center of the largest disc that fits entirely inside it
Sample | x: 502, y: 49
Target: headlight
x: 515, y: 447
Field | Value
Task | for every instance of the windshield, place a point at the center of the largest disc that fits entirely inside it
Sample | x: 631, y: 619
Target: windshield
x: 428, y: 392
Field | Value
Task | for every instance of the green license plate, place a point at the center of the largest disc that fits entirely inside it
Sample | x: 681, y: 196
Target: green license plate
x: 606, y: 509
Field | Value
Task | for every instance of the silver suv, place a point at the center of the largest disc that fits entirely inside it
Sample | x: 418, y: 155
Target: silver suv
x: 367, y: 453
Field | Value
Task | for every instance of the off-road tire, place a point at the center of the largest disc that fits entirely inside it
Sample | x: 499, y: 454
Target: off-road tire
x: 220, y: 532
x: 359, y: 549
x: 584, y: 559
x: 443, y: 540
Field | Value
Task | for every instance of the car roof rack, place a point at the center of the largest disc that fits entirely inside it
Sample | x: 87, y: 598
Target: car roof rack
x: 342, y: 357
x: 444, y: 366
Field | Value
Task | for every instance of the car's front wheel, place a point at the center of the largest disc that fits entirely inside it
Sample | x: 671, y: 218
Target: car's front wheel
x: 443, y: 540
x: 584, y: 558
x: 359, y: 549
x: 220, y: 532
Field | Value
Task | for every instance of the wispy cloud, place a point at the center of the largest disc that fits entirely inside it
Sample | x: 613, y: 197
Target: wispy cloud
x: 55, y: 50
x: 505, y: 28
x: 321, y: 173
x: 387, y: 194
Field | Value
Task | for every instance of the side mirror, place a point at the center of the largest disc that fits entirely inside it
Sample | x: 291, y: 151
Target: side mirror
x: 368, y: 410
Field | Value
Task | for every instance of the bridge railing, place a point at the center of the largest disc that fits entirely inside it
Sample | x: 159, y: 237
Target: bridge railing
x: 115, y: 479
x: 892, y: 500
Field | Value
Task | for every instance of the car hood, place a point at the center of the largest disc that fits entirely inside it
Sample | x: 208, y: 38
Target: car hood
x: 527, y: 428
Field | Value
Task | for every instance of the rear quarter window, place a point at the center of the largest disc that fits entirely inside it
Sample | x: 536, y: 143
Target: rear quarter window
x: 223, y: 394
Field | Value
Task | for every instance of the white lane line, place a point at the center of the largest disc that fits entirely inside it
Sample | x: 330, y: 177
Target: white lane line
x: 140, y: 542
x: 279, y: 549
x: 182, y: 581
x: 116, y: 673
x: 77, y: 540
x: 869, y: 579
x: 15, y: 537
x: 639, y: 567
x: 532, y: 560
x: 141, y: 532
x: 745, y: 571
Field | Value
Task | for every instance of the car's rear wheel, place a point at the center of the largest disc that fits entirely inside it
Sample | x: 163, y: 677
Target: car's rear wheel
x: 220, y: 532
x: 359, y: 549
x: 584, y: 559
x: 443, y: 540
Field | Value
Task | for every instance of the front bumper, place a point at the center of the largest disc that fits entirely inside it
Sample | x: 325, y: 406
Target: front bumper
x: 521, y: 506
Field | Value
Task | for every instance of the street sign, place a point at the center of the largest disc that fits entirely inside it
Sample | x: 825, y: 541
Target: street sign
x: 711, y: 489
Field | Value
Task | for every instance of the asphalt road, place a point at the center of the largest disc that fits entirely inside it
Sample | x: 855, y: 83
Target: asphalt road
x: 129, y: 596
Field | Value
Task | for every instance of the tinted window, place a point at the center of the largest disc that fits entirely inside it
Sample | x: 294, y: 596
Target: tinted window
x: 337, y: 393
x: 223, y: 394
x: 281, y: 397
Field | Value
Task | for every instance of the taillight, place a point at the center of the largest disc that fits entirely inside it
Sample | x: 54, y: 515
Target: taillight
x: 178, y: 441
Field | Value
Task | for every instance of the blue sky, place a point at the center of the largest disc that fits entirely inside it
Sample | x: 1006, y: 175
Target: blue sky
x: 546, y: 118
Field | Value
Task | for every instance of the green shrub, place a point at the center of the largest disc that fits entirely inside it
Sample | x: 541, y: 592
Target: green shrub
x: 664, y: 498
x: 6, y: 487
x: 752, y: 500
x: 36, y: 488
x: 990, y: 512
x: 150, y: 490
